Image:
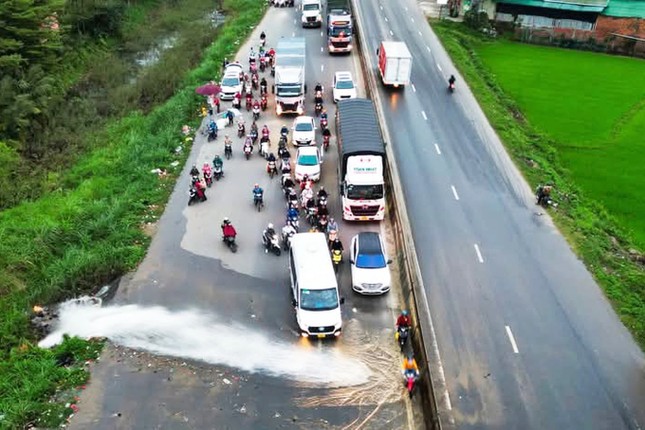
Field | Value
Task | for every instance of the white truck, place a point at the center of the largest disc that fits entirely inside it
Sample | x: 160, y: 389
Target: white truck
x: 361, y: 160
x: 311, y: 13
x: 289, y: 87
x: 394, y: 63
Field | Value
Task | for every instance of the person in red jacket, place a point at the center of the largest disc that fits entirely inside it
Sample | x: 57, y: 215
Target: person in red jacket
x: 227, y: 228
x: 403, y: 320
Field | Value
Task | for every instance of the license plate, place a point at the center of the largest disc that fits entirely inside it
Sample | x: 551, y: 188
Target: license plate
x: 363, y: 218
x: 321, y: 336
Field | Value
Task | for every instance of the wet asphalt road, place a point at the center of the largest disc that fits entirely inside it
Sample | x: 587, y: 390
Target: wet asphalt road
x: 573, y: 365
x: 188, y: 267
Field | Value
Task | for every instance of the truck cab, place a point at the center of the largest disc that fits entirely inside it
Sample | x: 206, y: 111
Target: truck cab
x: 311, y: 13
x: 363, y: 189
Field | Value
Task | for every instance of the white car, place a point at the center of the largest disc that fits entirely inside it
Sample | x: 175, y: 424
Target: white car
x: 234, y: 68
x: 369, y: 264
x: 344, y: 87
x: 303, y: 131
x: 230, y: 85
x: 308, y: 161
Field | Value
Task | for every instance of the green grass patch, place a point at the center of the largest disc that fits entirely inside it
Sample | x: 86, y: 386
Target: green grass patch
x: 572, y: 118
x: 88, y: 230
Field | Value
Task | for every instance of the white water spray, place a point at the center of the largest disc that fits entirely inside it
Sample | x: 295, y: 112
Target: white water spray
x: 192, y: 335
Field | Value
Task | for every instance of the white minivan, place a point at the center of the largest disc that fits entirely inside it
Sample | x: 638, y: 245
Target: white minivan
x: 313, y: 285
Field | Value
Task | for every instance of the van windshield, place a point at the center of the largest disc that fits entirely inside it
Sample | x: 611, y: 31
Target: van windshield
x: 318, y: 300
x: 310, y: 6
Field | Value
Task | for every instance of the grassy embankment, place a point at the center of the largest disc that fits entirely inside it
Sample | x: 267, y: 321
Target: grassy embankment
x: 88, y: 231
x: 572, y: 118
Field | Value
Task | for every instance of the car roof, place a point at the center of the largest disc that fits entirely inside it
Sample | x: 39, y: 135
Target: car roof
x: 369, y: 242
x: 344, y: 76
x: 303, y: 118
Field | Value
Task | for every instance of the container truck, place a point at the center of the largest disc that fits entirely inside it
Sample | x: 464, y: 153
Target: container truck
x: 361, y: 160
x: 339, y: 26
x: 394, y: 63
x: 289, y: 86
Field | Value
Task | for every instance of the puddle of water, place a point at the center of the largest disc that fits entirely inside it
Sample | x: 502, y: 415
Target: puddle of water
x: 191, y: 334
x: 152, y: 55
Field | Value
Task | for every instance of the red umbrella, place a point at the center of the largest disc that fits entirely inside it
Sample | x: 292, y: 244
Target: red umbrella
x: 208, y: 90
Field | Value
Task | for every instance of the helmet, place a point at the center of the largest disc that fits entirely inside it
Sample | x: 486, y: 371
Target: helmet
x: 321, y: 188
x: 404, y: 312
x: 270, y: 225
x: 226, y: 220
x: 256, y: 185
x: 217, y: 156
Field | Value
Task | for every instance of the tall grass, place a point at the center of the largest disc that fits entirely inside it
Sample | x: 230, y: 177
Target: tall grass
x: 602, y: 241
x: 89, y: 229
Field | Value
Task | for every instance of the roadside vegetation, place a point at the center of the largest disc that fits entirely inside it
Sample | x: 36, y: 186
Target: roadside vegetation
x: 79, y: 224
x: 572, y: 118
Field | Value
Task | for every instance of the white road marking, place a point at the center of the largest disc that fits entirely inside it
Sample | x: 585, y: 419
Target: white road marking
x: 406, y: 8
x: 385, y: 18
x: 411, y: 19
x: 439, y: 67
x: 321, y: 34
x: 420, y: 33
x: 454, y: 192
x: 512, y: 339
x: 294, y: 21
x: 437, y: 148
x: 424, y: 115
x: 293, y: 34
x: 414, y: 88
x: 479, y: 254
x: 381, y: 7
x: 391, y: 34
x: 321, y: 49
x: 322, y: 67
x: 428, y: 48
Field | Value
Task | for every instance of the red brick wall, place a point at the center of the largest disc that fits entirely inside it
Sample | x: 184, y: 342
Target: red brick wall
x: 605, y: 25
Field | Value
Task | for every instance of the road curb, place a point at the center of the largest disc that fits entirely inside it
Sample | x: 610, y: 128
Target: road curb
x: 432, y: 384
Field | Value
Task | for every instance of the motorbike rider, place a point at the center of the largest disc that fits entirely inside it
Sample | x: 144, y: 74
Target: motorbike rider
x: 337, y: 245
x: 322, y: 193
x: 323, y: 115
x: 288, y: 230
x: 543, y: 193
x: 194, y: 171
x: 284, y: 130
x: 318, y: 88
x: 292, y: 213
x: 263, y: 38
x: 326, y: 133
x: 267, y: 235
x: 206, y: 170
x: 230, y: 116
x: 227, y: 228
x: 451, y: 80
x: 212, y: 128
x: 332, y: 225
x: 218, y: 163
x: 263, y: 85
x: 287, y: 182
x: 257, y: 192
x: 252, y: 55
x: 410, y: 367
x: 403, y: 320
x: 227, y: 141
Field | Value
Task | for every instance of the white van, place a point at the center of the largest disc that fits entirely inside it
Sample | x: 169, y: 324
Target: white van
x: 314, y: 287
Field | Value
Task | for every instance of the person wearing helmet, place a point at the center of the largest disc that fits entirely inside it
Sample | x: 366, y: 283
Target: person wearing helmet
x: 227, y: 229
x: 410, y: 367
x: 284, y: 131
x: 323, y: 115
x: 258, y: 193
x: 403, y: 320
x: 267, y: 235
x: 318, y: 87
x: 194, y: 171
x: 322, y: 193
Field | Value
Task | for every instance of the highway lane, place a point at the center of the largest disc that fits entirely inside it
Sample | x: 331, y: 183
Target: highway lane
x: 188, y: 267
x: 570, y: 362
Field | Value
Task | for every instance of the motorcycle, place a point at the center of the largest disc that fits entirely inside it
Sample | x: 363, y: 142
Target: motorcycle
x: 218, y: 172
x: 248, y: 149
x: 228, y: 150
x: 253, y: 68
x: 264, y: 148
x: 323, y: 124
x: 272, y: 169
x: 241, y: 129
x: 285, y: 166
x: 322, y: 201
x: 254, y: 81
x: 402, y: 335
x: 263, y: 102
x: 195, y: 196
x: 287, y: 234
x: 237, y: 102
x: 230, y: 242
x: 212, y: 134
x: 451, y: 87
x: 253, y: 136
x: 263, y: 64
x: 312, y: 215
x: 293, y: 222
x: 325, y: 142
x: 331, y: 236
x: 322, y: 222
x: 410, y: 378
x: 249, y: 102
x: 336, y: 258
x: 318, y: 108
x: 272, y: 244
x: 258, y: 201
x: 256, y: 112
x: 208, y: 177
x: 272, y: 69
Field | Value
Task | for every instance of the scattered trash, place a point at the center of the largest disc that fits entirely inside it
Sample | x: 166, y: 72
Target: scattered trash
x: 179, y: 149
x: 174, y: 163
x: 252, y: 315
x: 243, y: 409
x: 226, y: 381
x: 276, y: 415
x: 161, y: 172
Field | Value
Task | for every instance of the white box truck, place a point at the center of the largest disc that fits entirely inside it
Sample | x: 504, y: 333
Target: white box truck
x: 394, y: 63
x: 311, y: 13
x: 290, y: 87
x: 361, y: 160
